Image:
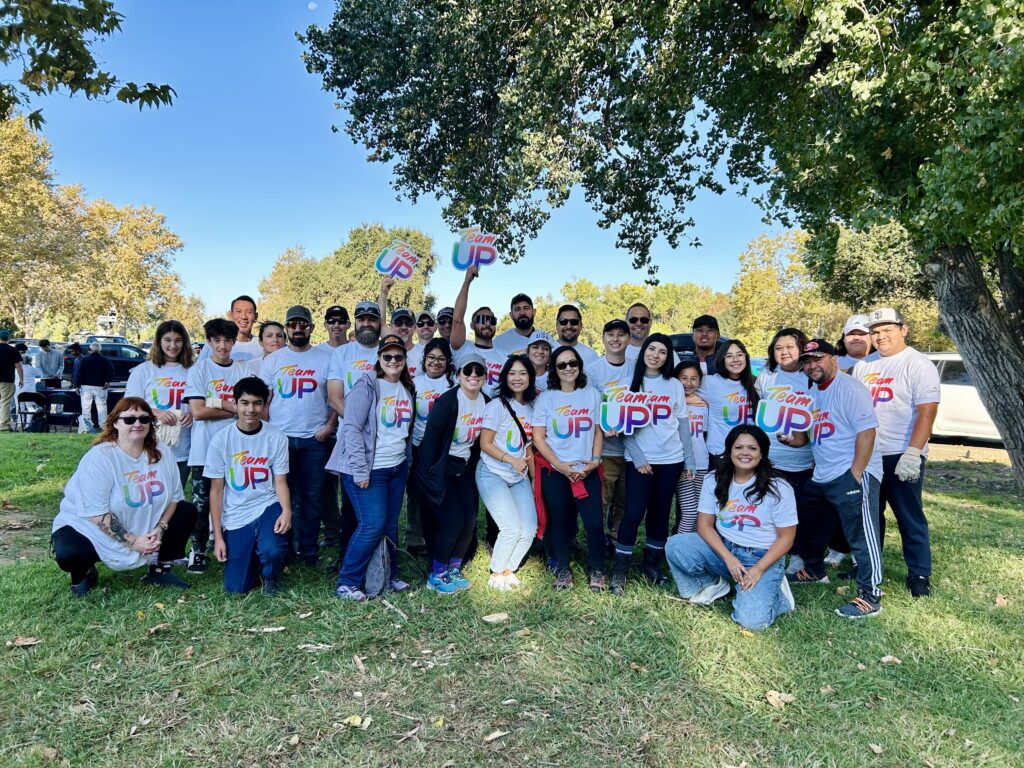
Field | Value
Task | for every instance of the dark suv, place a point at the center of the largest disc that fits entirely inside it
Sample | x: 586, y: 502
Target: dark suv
x: 124, y: 357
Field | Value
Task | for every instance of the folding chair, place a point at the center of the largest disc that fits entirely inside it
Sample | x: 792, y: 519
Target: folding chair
x: 63, y: 409
x: 30, y: 403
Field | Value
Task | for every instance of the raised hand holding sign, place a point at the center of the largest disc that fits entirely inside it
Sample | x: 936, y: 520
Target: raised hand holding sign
x: 397, y: 260
x: 474, y: 249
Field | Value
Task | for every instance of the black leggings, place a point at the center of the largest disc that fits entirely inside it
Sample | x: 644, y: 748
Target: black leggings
x: 650, y: 497
x: 454, y: 521
x: 562, y: 508
x: 75, y: 554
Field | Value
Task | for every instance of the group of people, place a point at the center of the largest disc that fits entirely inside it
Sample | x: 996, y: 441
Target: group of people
x: 295, y: 449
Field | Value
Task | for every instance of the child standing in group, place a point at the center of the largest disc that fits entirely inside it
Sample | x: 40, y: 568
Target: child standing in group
x: 688, y: 489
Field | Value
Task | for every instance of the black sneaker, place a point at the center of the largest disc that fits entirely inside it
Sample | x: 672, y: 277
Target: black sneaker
x: 563, y: 579
x: 620, y: 568
x: 82, y: 588
x: 197, y: 562
x: 598, y: 581
x: 919, y: 586
x: 861, y: 607
x: 160, y: 575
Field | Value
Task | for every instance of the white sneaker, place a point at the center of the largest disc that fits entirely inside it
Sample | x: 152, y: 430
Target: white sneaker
x: 833, y: 558
x: 709, y: 594
x: 513, y: 580
x: 499, y: 582
x: 796, y: 563
x: 787, y: 595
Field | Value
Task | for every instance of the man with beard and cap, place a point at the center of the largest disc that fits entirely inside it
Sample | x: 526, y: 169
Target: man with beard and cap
x: 705, y: 342
x: 337, y: 324
x: 297, y: 378
x: 856, y: 343
x: 514, y: 340
x: 445, y: 317
x: 426, y: 326
x: 484, y: 323
x: 609, y: 374
x: 569, y: 325
x: 638, y: 320
x: 244, y: 315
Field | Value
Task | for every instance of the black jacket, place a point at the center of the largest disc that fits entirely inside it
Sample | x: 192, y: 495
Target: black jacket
x: 432, y: 458
x: 94, y: 370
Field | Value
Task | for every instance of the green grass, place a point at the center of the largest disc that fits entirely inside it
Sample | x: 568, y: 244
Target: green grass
x: 638, y: 681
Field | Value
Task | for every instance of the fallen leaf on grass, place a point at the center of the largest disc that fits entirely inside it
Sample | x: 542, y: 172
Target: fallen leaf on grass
x: 49, y: 753
x: 305, y: 615
x: 163, y: 625
x: 159, y: 605
x: 493, y: 735
x: 140, y: 615
x: 315, y: 647
x: 20, y: 641
x: 448, y: 764
x: 524, y: 632
x: 949, y: 732
x: 636, y: 667
x: 260, y: 630
x: 294, y: 740
x: 779, y: 700
x: 827, y: 689
x: 842, y: 590
x: 353, y: 722
x: 509, y: 702
x: 890, y: 660
x: 359, y: 663
x: 366, y: 723
x: 439, y: 722
x: 876, y: 748
x: 968, y: 743
x: 746, y: 633
x: 8, y: 505
x: 861, y: 666
x: 189, y: 651
x: 1001, y: 602
x: 496, y: 618
x: 614, y: 654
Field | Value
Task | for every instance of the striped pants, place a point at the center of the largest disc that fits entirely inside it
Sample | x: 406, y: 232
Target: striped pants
x: 687, y: 496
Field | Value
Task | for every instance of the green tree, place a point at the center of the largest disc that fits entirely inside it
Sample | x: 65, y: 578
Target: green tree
x: 832, y: 112
x: 51, y: 43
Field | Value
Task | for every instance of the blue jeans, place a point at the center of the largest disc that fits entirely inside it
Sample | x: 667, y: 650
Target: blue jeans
x: 377, y: 508
x: 695, y: 565
x: 513, y: 509
x: 307, y: 458
x: 251, y: 545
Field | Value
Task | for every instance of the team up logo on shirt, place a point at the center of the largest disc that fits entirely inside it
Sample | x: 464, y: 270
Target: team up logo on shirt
x: 292, y: 381
x: 736, y: 410
x: 783, y: 411
x: 217, y: 388
x: 737, y: 514
x: 467, y: 429
x: 395, y: 412
x: 514, y: 441
x: 429, y: 396
x: 823, y: 428
x: 494, y: 372
x: 247, y: 471
x: 356, y: 370
x: 697, y: 423
x: 577, y: 421
x: 625, y: 412
x: 172, y: 389
x: 141, y: 488
x: 879, y: 386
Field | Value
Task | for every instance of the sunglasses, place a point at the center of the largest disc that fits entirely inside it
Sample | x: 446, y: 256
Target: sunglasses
x: 567, y: 364
x: 641, y: 320
x: 129, y: 420
x: 392, y: 358
x: 444, y: 321
x: 425, y: 323
x: 569, y: 321
x: 435, y: 359
x: 298, y: 324
x: 403, y: 323
x: 474, y: 369
x: 485, y: 319
x: 336, y: 321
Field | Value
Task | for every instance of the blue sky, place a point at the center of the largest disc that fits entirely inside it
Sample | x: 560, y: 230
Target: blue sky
x: 245, y: 164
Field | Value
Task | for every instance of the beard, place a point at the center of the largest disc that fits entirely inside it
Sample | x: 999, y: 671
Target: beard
x: 367, y: 336
x: 523, y: 322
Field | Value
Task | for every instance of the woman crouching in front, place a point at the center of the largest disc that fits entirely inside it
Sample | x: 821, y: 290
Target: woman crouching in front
x: 746, y: 524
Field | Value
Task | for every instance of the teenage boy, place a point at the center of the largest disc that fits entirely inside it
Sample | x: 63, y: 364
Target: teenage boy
x: 209, y: 392
x: 252, y: 509
x: 705, y: 342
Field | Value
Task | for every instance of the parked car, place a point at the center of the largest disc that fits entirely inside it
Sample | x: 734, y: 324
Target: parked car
x: 105, y: 340
x: 123, y: 356
x: 145, y: 346
x: 961, y: 412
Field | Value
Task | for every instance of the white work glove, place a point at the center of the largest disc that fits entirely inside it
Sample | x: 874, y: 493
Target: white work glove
x: 908, y: 468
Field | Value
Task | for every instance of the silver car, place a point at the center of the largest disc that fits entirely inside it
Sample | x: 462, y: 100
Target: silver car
x: 961, y: 412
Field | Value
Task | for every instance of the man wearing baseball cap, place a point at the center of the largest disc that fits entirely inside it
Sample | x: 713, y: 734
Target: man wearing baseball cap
x: 904, y: 386
x: 336, y: 320
x: 297, y: 377
x: 403, y: 324
x: 845, y: 482
x: 445, y: 317
x: 856, y: 343
x: 484, y: 324
x: 706, y: 335
x: 337, y: 324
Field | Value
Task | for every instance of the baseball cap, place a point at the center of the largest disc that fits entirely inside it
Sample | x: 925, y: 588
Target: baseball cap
x: 817, y: 348
x: 709, y: 320
x: 403, y: 312
x: 368, y: 307
x: 391, y: 340
x: 538, y: 339
x: 471, y: 357
x: 448, y: 312
x: 425, y: 313
x: 336, y: 311
x: 519, y: 297
x: 298, y: 312
x: 885, y: 315
x: 856, y: 323
x: 616, y: 325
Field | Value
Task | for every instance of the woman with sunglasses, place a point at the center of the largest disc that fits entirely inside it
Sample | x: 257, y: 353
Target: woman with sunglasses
x: 747, y: 523
x: 505, y: 471
x: 568, y: 437
x: 373, y: 455
x: 656, y: 455
x: 160, y: 381
x: 731, y: 396
x: 124, y: 505
x: 447, y: 459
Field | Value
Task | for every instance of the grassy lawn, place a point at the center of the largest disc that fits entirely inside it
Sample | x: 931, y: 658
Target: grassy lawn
x: 136, y: 676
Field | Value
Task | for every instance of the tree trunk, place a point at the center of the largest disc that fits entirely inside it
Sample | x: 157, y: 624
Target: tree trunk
x: 984, y: 334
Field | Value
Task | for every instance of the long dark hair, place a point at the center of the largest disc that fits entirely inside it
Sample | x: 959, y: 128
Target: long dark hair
x: 581, y: 377
x: 445, y: 349
x: 640, y: 368
x: 746, y: 378
x: 765, y: 475
x: 504, y: 392
x: 156, y: 353
x: 796, y: 333
x: 404, y: 378
x: 109, y: 433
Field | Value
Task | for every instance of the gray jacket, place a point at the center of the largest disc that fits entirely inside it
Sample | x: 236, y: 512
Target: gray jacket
x: 357, y: 440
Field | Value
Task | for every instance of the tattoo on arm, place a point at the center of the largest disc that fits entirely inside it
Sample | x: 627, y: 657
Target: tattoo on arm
x: 113, y: 527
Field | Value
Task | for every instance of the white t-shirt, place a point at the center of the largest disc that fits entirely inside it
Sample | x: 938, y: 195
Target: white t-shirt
x: 507, y: 436
x: 163, y: 387
x: 608, y: 379
x: 742, y: 521
x: 569, y: 420
x: 589, y: 355
x: 846, y: 362
x: 727, y: 407
x: 785, y: 408
x: 660, y: 441
x: 298, y: 390
x: 394, y: 423
x: 242, y: 351
x: 350, y: 362
x: 248, y: 464
x: 327, y: 345
x: 31, y: 376
x: 208, y: 380
x: 511, y: 342
x: 427, y: 391
x: 494, y: 359
x: 541, y: 382
x: 468, y: 424
x: 840, y: 411
x: 414, y: 359
x: 898, y: 384
x: 698, y: 415
x: 136, y: 492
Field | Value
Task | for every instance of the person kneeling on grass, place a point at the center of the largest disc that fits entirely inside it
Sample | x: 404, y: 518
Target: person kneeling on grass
x: 247, y: 466
x: 123, y: 506
x: 747, y: 522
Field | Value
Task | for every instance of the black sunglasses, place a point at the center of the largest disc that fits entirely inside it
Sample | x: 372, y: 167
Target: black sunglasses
x: 336, y: 321
x: 485, y: 319
x: 474, y: 369
x: 424, y: 323
x: 403, y: 323
x: 569, y: 321
x: 298, y: 324
x: 392, y: 358
x: 129, y: 420
x: 444, y: 320
x: 567, y: 364
x: 641, y: 320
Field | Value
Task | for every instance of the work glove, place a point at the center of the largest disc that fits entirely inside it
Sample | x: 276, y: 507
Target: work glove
x: 908, y: 468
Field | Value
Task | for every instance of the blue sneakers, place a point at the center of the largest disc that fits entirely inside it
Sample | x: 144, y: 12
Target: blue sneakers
x: 460, y: 581
x: 439, y: 582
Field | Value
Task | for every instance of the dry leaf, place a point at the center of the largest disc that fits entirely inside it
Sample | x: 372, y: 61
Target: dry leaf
x: 949, y: 732
x: 448, y: 764
x: 746, y: 633
x: 614, y: 654
x: 968, y: 743
x: 21, y: 641
x: 189, y: 651
x: 509, y: 702
x: 861, y: 667
x: 359, y: 663
x: 524, y: 632
x: 294, y: 740
x: 153, y: 630
x: 49, y: 753
x: 5, y: 504
x: 496, y: 618
x: 439, y: 723
x: 876, y: 748
x: 779, y: 700
x: 265, y: 629
x: 315, y: 647
x: 159, y: 605
x: 354, y: 721
x: 890, y: 660
x: 494, y: 735
x: 305, y: 615
x: 139, y: 615
x: 842, y: 590
x: 827, y: 689
x: 636, y: 667
x: 366, y: 723
x: 1001, y: 602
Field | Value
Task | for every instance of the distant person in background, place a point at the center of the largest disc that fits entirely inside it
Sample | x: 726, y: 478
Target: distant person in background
x: 92, y: 376
x: 11, y: 372
x: 244, y: 315
x: 705, y: 341
x: 50, y: 363
x: 856, y: 343
x: 337, y: 325
x: 31, y: 376
x: 568, y: 326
